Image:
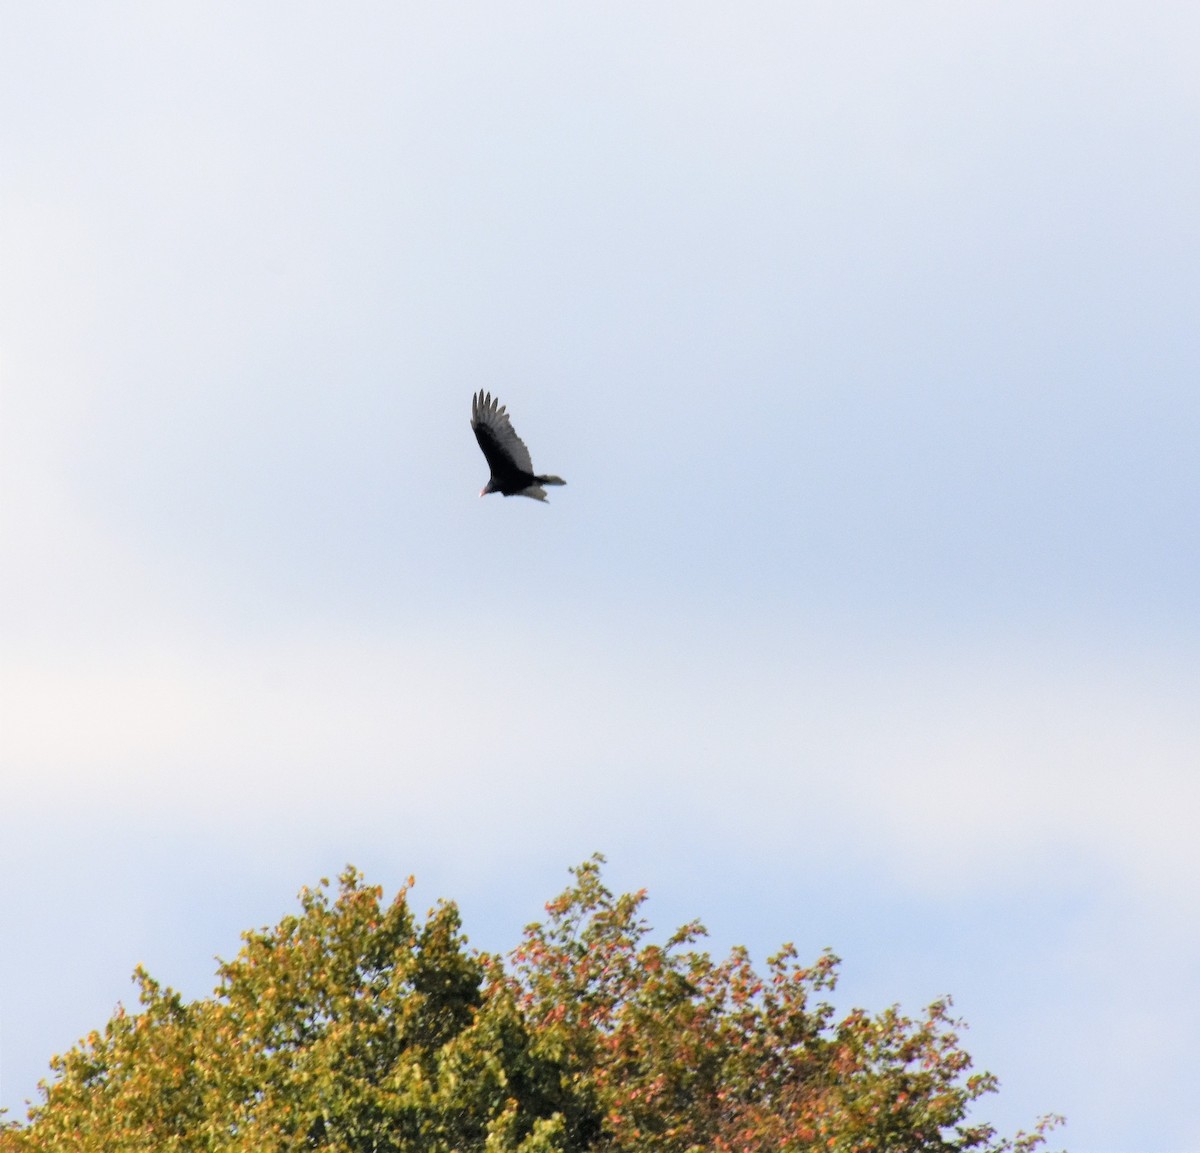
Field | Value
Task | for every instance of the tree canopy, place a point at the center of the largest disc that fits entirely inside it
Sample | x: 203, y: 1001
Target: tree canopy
x: 354, y: 1028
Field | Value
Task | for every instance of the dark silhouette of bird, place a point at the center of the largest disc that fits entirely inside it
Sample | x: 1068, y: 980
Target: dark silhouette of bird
x: 507, y: 456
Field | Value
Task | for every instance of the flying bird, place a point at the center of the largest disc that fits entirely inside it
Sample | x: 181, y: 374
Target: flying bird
x: 507, y: 456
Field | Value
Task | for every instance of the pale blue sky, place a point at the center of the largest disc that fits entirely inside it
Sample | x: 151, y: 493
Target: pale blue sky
x: 865, y: 337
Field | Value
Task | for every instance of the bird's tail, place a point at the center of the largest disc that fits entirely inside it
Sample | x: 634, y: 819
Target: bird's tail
x: 550, y: 480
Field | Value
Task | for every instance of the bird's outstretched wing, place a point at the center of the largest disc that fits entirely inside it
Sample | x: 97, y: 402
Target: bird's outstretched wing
x: 505, y: 451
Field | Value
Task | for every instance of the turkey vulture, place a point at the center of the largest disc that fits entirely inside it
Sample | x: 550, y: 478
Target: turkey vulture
x: 507, y: 456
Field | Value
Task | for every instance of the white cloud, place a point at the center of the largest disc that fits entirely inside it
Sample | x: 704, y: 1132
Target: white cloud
x: 956, y: 770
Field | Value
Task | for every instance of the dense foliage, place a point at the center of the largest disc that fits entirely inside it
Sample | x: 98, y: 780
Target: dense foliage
x: 352, y: 1028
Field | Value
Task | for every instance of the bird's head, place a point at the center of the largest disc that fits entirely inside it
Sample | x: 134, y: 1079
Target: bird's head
x: 489, y: 487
